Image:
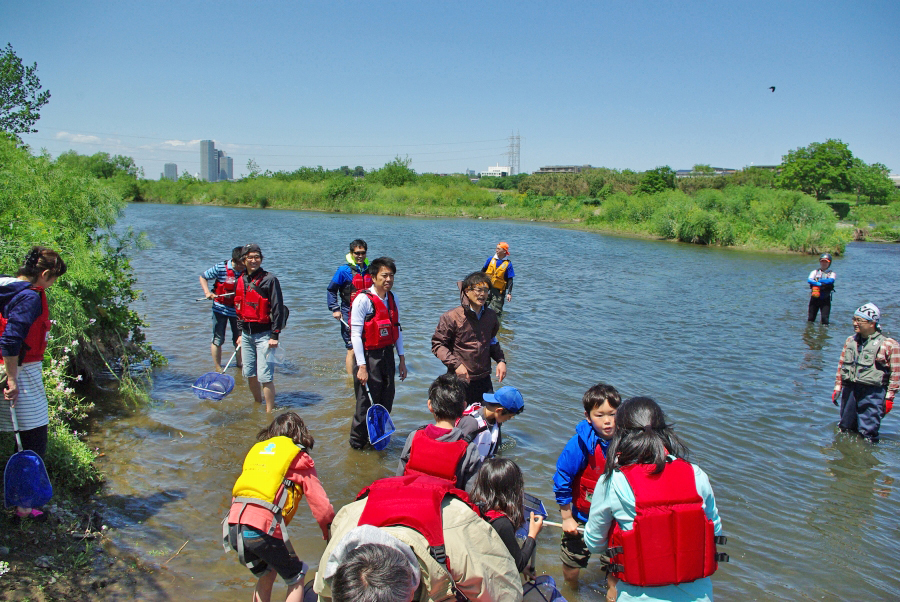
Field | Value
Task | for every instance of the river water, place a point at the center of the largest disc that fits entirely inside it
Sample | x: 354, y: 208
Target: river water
x: 718, y: 337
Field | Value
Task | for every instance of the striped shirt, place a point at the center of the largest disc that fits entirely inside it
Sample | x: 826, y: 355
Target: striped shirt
x: 31, y: 405
x: 219, y: 273
x: 888, y: 357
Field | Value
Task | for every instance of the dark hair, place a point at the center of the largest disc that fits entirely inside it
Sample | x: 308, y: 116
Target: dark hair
x: 288, y: 425
x: 599, y: 394
x: 642, y: 437
x: 359, y: 243
x: 499, y: 486
x: 382, y: 262
x: 374, y: 573
x: 40, y: 259
x: 237, y: 253
x: 448, y: 397
x: 474, y: 279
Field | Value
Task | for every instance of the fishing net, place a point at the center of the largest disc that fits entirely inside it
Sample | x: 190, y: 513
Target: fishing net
x: 380, y: 425
x: 213, y: 385
x: 531, y: 504
x: 542, y: 589
x: 25, y: 481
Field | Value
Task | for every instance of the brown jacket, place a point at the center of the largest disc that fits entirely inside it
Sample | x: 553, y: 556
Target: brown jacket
x: 461, y: 338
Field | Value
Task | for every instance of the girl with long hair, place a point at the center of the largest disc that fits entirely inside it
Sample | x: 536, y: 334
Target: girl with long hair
x: 277, y: 472
x: 499, y: 491
x: 650, y: 497
x: 24, y: 332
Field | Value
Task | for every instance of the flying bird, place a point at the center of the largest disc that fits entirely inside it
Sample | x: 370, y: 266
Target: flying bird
x: 772, y: 88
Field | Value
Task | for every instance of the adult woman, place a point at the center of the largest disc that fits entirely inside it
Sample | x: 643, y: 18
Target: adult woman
x: 650, y: 498
x: 24, y: 330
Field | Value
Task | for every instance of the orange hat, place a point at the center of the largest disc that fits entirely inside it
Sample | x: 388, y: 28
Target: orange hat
x: 504, y: 245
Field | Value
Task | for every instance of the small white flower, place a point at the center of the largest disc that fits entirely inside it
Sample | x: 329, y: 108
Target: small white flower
x: 91, y: 321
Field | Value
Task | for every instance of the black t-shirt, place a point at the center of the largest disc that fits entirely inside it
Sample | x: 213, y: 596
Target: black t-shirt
x: 507, y: 532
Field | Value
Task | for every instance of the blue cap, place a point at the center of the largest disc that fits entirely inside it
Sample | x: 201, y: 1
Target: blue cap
x: 507, y: 397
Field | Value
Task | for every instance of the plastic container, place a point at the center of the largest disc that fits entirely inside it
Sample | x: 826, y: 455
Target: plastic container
x: 275, y: 355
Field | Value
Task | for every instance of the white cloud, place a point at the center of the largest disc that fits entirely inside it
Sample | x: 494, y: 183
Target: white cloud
x: 180, y: 143
x: 78, y: 138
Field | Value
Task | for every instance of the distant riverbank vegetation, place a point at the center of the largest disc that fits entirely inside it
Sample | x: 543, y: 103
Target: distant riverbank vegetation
x: 64, y: 205
x: 795, y: 208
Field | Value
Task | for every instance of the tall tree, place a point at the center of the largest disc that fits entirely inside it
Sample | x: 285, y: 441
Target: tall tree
x: 871, y: 181
x: 817, y: 169
x: 20, y: 94
x: 657, y: 180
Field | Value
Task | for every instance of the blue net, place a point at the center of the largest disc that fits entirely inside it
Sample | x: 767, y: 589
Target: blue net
x: 213, y: 385
x: 542, y: 589
x: 380, y: 425
x: 532, y: 504
x: 25, y: 481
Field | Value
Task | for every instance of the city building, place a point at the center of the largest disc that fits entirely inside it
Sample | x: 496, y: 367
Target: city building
x: 563, y: 169
x: 226, y: 167
x: 716, y: 171
x: 495, y: 172
x: 209, y: 161
x: 170, y: 172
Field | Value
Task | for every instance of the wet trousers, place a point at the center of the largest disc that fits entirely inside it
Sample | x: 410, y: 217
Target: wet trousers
x: 862, y: 407
x: 817, y: 304
x: 381, y: 369
x: 495, y: 300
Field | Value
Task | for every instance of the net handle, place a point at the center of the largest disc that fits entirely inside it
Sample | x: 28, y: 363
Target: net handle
x: 15, y: 422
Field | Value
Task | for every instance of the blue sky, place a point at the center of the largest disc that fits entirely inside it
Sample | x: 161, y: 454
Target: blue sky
x: 623, y: 84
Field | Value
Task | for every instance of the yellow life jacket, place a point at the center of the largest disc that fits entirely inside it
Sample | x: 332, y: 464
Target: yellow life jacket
x: 497, y: 273
x: 263, y: 481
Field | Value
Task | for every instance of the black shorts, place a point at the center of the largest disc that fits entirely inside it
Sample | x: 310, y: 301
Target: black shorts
x: 265, y: 553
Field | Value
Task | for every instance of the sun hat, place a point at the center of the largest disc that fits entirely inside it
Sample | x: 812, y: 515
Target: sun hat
x: 507, y: 397
x: 868, y: 312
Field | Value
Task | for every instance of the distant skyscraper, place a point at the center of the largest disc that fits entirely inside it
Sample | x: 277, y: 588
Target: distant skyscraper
x: 170, y: 171
x: 226, y: 167
x: 209, y: 161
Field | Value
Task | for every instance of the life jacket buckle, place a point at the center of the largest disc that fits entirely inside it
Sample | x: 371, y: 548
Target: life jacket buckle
x: 614, y: 551
x: 721, y: 540
x: 615, y: 568
x: 722, y: 557
x: 439, y: 553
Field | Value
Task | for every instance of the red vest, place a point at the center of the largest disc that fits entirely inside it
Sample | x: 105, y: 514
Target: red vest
x: 435, y: 458
x: 249, y: 304
x: 360, y: 283
x: 672, y: 541
x: 381, y: 328
x: 492, y: 515
x: 412, y: 501
x: 228, y: 286
x: 586, y: 481
x: 35, y: 342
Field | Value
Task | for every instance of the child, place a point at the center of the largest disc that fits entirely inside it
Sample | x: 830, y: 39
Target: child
x: 482, y: 423
x: 579, y: 466
x: 499, y: 491
x: 645, y: 486
x: 277, y: 472
x: 441, y: 449
x: 821, y: 286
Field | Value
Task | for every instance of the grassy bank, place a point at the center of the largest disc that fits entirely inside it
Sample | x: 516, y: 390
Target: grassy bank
x: 62, y: 206
x: 745, y: 213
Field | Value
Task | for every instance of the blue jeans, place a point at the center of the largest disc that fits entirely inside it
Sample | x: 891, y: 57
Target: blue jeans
x: 253, y: 351
x: 220, y: 322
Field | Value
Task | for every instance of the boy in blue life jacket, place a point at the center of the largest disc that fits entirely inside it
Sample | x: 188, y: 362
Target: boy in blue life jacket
x: 580, y: 465
x: 440, y: 449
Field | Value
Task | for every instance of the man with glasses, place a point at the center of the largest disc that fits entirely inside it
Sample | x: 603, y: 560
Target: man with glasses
x: 868, y: 375
x: 465, y: 339
x: 500, y: 271
x: 350, y: 278
x: 261, y: 315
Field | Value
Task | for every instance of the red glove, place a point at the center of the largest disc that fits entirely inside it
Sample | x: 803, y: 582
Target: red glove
x: 888, y: 405
x: 834, y: 396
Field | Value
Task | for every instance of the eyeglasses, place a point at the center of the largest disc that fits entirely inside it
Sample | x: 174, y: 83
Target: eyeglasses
x: 359, y: 252
x: 479, y: 290
x: 861, y: 321
x: 252, y: 257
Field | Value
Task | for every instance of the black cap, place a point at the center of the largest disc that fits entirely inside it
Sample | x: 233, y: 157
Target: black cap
x: 251, y: 248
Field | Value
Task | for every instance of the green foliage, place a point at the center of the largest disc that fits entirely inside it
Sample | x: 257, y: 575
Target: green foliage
x: 21, y: 98
x: 502, y: 183
x: 753, y: 176
x: 702, y: 168
x: 657, y: 180
x: 395, y: 173
x: 871, y: 181
x: 817, y: 169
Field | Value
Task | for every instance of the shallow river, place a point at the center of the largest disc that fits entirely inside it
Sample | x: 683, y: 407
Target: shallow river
x: 718, y: 337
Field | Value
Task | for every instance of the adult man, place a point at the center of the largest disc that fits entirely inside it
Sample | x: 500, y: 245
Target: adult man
x: 821, y: 285
x: 432, y: 525
x: 465, y: 339
x: 226, y: 276
x: 261, y: 315
x: 348, y: 280
x: 374, y: 333
x: 499, y: 269
x: 868, y: 375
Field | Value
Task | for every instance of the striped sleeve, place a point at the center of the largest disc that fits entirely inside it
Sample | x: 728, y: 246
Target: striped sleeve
x: 890, y: 357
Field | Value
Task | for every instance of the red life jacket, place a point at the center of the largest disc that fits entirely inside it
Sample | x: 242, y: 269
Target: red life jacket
x: 672, y: 541
x: 35, y: 343
x: 382, y: 327
x: 412, y: 501
x: 435, y: 458
x: 228, y: 286
x: 250, y: 305
x: 360, y: 282
x: 586, y: 481
x: 492, y: 515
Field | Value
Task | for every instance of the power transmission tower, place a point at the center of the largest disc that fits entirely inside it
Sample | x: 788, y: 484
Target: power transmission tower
x: 513, y: 153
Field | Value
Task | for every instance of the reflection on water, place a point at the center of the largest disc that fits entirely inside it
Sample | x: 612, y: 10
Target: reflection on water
x: 809, y: 514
